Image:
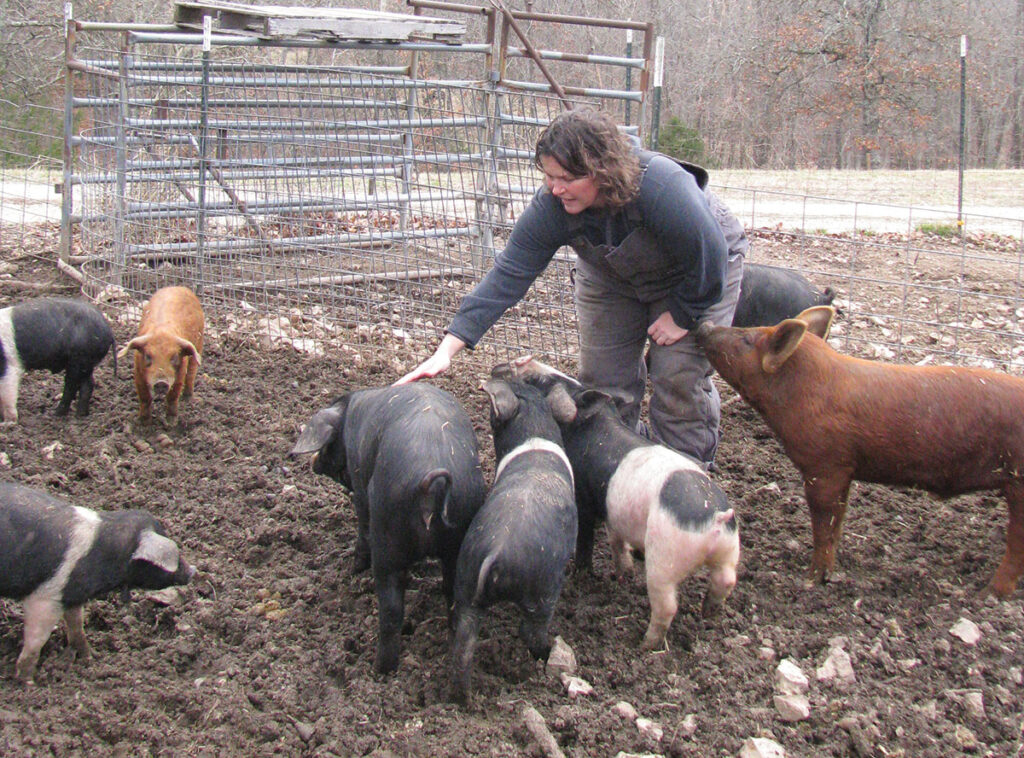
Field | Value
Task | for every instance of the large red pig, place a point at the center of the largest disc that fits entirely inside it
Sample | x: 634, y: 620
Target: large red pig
x: 945, y: 429
x: 168, y: 349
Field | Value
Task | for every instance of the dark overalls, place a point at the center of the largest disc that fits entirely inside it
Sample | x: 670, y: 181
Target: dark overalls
x: 620, y: 292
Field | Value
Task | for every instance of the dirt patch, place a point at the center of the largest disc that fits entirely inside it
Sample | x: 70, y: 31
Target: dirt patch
x: 271, y: 651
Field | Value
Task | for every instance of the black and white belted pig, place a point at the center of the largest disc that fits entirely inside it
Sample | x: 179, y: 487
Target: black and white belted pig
x: 56, y: 334
x: 55, y: 556
x: 521, y: 540
x: 654, y: 499
x: 408, y: 454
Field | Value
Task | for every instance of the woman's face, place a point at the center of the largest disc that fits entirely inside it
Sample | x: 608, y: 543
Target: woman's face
x: 577, y: 193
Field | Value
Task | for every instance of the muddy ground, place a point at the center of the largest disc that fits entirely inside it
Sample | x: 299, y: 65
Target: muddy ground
x: 270, y: 650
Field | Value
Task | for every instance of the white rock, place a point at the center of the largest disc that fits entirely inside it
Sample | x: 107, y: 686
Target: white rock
x: 766, y: 653
x: 5, y: 460
x: 966, y: 630
x: 170, y: 596
x: 789, y: 679
x: 50, y: 450
x: 761, y: 747
x: 651, y: 729
x: 576, y: 686
x: 624, y: 709
x: 688, y: 727
x: 837, y: 666
x: 792, y: 707
x: 974, y: 704
x: 561, y: 659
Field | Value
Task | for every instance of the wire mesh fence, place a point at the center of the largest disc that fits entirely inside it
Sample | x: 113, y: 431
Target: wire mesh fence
x: 311, y: 194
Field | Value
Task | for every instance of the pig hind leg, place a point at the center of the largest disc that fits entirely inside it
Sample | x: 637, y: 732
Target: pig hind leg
x: 41, y: 615
x: 190, y: 377
x: 78, y: 383
x: 9, y: 384
x: 467, y: 629
x: 390, y: 587
x: 827, y: 500
x: 666, y: 568
x: 76, y: 632
x: 1004, y: 581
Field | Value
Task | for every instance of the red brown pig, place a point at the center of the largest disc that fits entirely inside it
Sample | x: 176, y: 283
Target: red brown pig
x: 168, y: 349
x: 945, y: 429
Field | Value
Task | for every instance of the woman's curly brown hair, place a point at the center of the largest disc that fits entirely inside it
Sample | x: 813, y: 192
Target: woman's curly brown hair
x: 586, y: 142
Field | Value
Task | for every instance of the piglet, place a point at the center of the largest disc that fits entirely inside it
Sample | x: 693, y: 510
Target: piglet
x: 654, y: 499
x: 57, y: 334
x: 769, y: 294
x: 521, y: 540
x: 945, y: 429
x: 408, y: 454
x: 168, y: 349
x: 55, y: 556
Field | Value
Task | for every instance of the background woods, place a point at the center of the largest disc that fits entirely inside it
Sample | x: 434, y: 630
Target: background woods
x: 756, y: 83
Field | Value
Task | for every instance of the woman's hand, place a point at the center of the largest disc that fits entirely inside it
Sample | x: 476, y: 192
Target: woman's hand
x: 438, y: 363
x: 664, y: 330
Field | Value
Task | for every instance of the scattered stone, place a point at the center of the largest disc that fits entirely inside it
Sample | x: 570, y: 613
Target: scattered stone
x: 142, y: 446
x: 163, y: 441
x: 837, y: 667
x: 561, y: 659
x: 539, y: 731
x: 170, y: 596
x: 576, y: 686
x: 52, y: 449
x: 650, y: 729
x: 622, y: 754
x: 792, y: 707
x: 906, y: 664
x: 766, y: 654
x: 305, y: 730
x: 966, y: 630
x: 965, y: 738
x: 974, y: 704
x: 627, y: 711
x: 5, y: 460
x: 761, y: 747
x: 1017, y: 674
x: 789, y: 679
x: 688, y: 726
x: 740, y: 640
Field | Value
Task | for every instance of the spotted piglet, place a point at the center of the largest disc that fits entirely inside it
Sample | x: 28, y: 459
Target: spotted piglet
x: 55, y: 556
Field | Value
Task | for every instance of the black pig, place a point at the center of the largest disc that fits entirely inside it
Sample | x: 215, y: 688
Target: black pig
x: 409, y: 456
x: 769, y: 294
x: 520, y: 542
x: 56, y: 334
x: 653, y: 498
x: 55, y: 556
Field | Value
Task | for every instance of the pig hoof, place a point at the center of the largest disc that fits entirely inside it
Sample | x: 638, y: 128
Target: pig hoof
x: 654, y: 644
x: 61, y: 411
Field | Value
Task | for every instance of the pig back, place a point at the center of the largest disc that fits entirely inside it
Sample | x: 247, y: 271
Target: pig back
x: 399, y: 434
x: 35, y: 533
x: 176, y: 309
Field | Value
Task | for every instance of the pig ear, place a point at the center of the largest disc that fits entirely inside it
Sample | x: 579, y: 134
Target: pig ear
x: 504, y: 403
x: 136, y: 343
x: 782, y: 342
x: 818, y: 319
x: 158, y: 550
x: 189, y: 349
x: 563, y: 407
x: 321, y: 429
x: 521, y: 361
